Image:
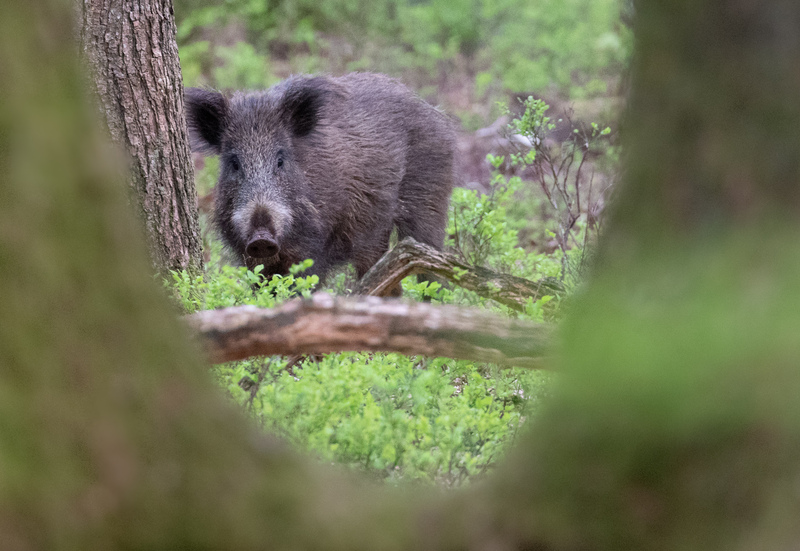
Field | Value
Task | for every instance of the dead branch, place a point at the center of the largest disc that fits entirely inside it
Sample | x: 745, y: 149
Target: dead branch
x: 412, y: 257
x: 324, y: 323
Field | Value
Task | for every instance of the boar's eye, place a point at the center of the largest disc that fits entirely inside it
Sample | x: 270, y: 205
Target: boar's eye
x: 233, y: 161
x: 279, y: 161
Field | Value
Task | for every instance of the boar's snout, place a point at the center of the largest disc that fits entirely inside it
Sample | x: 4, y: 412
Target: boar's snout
x: 262, y: 245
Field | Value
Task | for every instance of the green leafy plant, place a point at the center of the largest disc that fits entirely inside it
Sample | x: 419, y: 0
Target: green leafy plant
x: 483, y: 231
x: 236, y: 285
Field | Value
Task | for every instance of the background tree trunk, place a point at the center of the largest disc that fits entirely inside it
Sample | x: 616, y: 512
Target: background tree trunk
x: 677, y: 423
x: 131, y: 48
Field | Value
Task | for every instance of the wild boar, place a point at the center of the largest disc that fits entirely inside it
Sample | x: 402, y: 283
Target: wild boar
x: 324, y: 168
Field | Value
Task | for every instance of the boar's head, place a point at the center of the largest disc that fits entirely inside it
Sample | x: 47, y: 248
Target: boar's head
x: 264, y: 206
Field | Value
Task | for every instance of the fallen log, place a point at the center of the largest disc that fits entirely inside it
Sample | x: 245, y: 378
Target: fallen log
x: 324, y: 323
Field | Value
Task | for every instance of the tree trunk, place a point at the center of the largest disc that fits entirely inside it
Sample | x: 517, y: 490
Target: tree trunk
x: 131, y: 49
x: 676, y: 424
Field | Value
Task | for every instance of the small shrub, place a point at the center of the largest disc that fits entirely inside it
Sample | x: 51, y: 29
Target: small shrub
x: 573, y: 180
x: 236, y: 285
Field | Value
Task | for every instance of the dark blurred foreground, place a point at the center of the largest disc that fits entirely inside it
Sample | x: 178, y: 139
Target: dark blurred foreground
x: 677, y: 426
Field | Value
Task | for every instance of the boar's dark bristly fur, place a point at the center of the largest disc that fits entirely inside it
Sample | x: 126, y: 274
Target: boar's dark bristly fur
x: 324, y: 168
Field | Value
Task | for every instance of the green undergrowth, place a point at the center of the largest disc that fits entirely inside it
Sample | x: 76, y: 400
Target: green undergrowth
x: 433, y: 420
x: 396, y: 417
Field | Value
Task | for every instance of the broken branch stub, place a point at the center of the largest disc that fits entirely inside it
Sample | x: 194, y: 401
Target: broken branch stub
x: 412, y: 257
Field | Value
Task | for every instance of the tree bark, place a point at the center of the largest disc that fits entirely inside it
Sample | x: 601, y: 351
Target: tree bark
x: 325, y: 324
x: 412, y: 257
x: 132, y: 51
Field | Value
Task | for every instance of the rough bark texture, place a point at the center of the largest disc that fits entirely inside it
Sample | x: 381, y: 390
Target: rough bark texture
x: 324, y: 323
x: 676, y: 425
x: 131, y: 49
x: 412, y: 257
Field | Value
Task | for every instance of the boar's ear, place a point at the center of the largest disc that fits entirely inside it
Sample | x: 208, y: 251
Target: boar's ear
x: 303, y: 103
x: 206, y: 114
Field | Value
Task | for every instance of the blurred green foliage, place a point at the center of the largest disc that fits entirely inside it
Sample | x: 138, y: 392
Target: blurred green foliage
x: 574, y: 47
